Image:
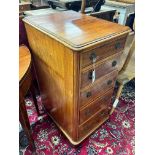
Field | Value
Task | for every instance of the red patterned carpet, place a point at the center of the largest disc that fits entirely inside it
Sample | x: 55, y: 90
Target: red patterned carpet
x: 115, y: 137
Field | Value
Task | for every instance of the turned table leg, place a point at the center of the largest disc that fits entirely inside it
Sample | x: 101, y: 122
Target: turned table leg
x: 117, y: 97
x: 32, y: 91
x: 23, y: 117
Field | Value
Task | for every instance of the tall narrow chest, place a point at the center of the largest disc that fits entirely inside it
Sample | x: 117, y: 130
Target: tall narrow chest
x: 76, y: 58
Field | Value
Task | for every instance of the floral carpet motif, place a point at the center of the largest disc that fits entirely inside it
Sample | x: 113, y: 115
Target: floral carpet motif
x: 114, y: 137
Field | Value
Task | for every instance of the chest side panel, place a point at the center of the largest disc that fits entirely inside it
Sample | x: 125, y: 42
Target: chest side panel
x: 54, y: 67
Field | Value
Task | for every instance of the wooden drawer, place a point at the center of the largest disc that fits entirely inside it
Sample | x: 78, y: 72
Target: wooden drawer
x: 93, y: 122
x: 100, y: 70
x: 109, y: 48
x: 101, y: 86
x: 91, y: 109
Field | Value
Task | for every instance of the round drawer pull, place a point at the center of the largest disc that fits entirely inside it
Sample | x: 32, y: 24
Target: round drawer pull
x: 117, y: 45
x: 114, y: 63
x: 88, y: 94
x: 109, y: 82
x: 93, y: 57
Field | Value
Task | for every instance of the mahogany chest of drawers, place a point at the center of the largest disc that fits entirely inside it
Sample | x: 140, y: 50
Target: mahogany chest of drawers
x: 76, y: 58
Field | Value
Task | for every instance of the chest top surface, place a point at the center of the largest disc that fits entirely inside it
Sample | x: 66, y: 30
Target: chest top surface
x: 75, y: 29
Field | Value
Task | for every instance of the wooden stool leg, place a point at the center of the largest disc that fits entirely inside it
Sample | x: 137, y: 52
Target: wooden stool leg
x: 23, y: 117
x: 117, y: 97
x: 119, y: 91
x: 32, y: 91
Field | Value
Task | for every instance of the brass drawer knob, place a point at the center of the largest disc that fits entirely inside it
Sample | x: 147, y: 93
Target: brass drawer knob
x: 109, y: 82
x: 88, y: 94
x: 117, y: 45
x: 93, y: 57
x: 114, y: 63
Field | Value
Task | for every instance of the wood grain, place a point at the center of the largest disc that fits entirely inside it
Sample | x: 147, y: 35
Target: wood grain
x: 97, y: 88
x: 107, y: 49
x: 75, y: 29
x: 24, y: 61
x: 93, y: 122
x: 54, y: 66
x: 61, y: 45
x: 92, y: 108
x: 101, y: 70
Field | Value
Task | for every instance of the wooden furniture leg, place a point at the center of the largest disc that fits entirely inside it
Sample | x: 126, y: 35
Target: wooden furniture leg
x: 119, y: 91
x: 32, y: 91
x: 83, y: 6
x: 23, y: 117
x: 117, y: 97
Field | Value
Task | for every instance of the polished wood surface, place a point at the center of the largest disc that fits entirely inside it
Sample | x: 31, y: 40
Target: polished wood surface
x: 95, y: 106
x: 42, y: 12
x: 100, y: 69
x: 93, y: 122
x: 114, y: 46
x: 24, y: 61
x: 58, y: 56
x: 100, y: 86
x: 54, y: 66
x: 75, y: 29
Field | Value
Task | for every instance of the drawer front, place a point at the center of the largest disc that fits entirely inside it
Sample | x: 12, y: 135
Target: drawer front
x: 108, y: 49
x: 97, y: 88
x: 97, y: 119
x: 91, y: 109
x: 100, y: 70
